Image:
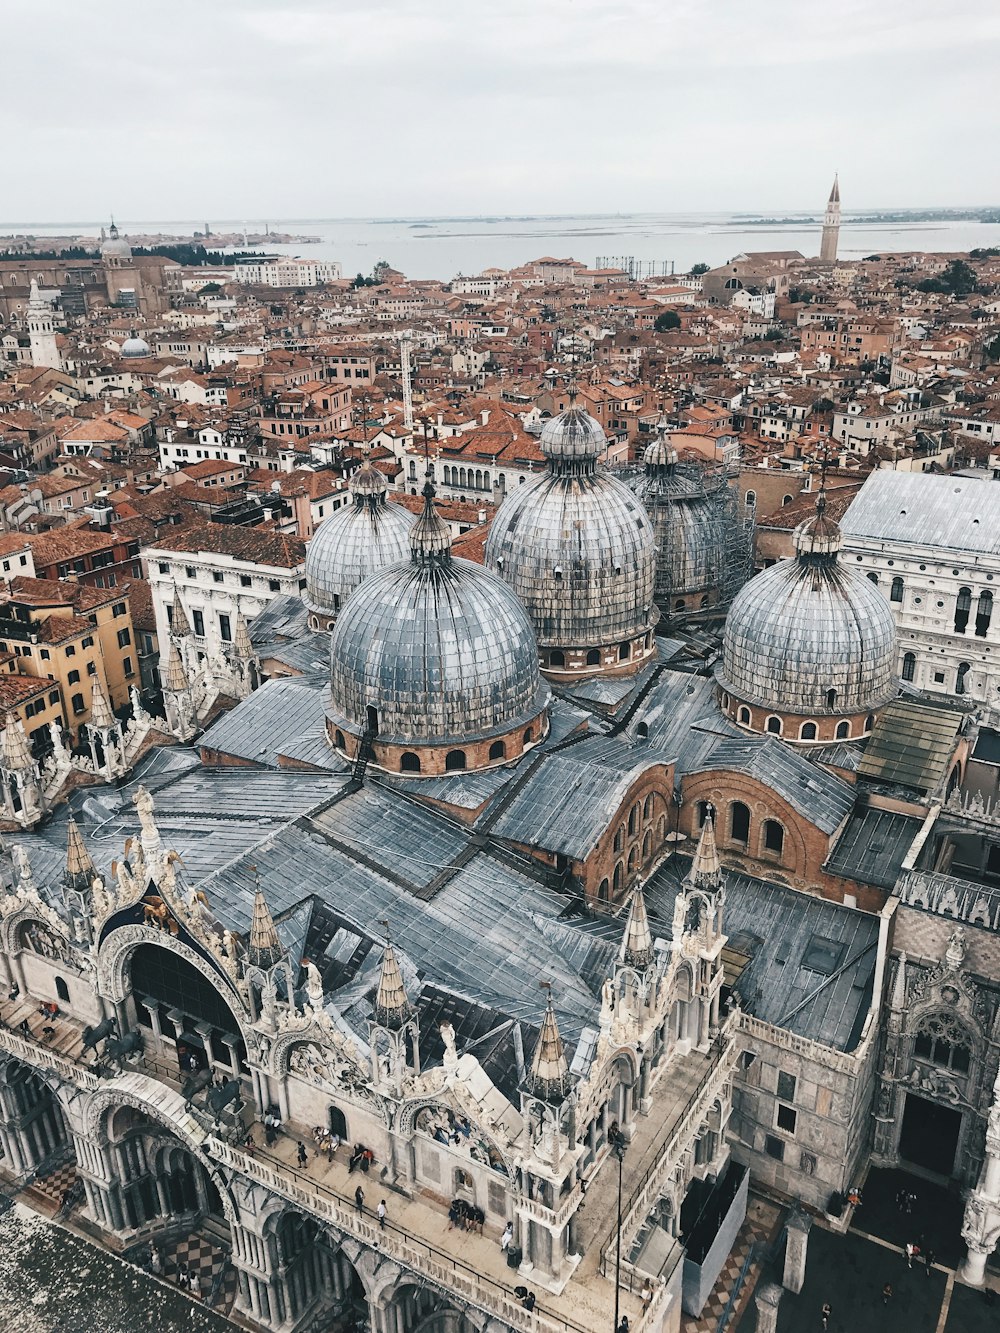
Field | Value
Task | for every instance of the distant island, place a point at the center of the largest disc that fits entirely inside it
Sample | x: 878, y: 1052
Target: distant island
x: 868, y: 219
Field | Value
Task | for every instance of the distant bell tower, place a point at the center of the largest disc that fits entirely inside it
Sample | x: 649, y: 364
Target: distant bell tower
x: 41, y: 331
x: 831, y: 227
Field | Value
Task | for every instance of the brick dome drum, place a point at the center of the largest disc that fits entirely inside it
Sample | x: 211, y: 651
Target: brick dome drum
x: 810, y: 636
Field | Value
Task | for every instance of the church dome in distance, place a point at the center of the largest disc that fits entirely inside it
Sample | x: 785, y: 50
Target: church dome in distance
x: 434, y: 665
x: 115, y: 246
x: 134, y: 347
x: 357, y: 540
x: 577, y: 548
x: 809, y: 648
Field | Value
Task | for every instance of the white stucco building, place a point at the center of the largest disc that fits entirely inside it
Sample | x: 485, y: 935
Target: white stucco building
x: 932, y: 544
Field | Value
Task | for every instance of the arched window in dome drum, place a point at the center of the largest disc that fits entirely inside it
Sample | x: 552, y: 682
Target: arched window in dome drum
x: 744, y: 717
x: 963, y: 670
x: 843, y: 730
x: 679, y: 604
x: 774, y: 836
x: 984, y: 613
x: 909, y: 665
x: 807, y: 732
x: 774, y: 726
x: 624, y: 652
x: 869, y: 721
x: 962, y: 608
x: 529, y: 735
x: 831, y: 698
x: 704, y: 600
x: 454, y: 761
x: 557, y: 657
x: 739, y: 822
x: 338, y: 739
x: 498, y: 750
x: 409, y: 762
x: 896, y: 591
x: 594, y: 657
x: 371, y: 719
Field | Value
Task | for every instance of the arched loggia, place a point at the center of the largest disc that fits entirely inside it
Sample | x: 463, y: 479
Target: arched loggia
x: 33, y: 1132
x: 422, y: 1309
x: 313, y: 1276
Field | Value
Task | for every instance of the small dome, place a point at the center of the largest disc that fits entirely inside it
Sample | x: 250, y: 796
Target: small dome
x: 438, y: 648
x: 576, y: 546
x: 134, y: 347
x: 809, y: 635
x: 355, y: 541
x: 573, y: 434
x: 115, y: 247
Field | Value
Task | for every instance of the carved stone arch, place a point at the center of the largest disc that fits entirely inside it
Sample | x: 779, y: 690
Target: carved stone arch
x: 387, y: 1289
x: 407, y: 1124
x: 115, y: 959
x: 685, y: 972
x: 22, y: 914
x: 284, y: 1044
x: 113, y: 1098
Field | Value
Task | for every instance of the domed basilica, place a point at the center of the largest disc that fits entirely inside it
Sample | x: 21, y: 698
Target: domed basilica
x: 578, y: 550
x: 357, y: 540
x: 809, y: 647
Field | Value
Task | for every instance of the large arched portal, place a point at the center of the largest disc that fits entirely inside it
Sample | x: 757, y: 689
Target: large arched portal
x: 161, y: 1186
x: 315, y: 1277
x: 33, y: 1134
x: 187, y: 1017
x: 421, y: 1309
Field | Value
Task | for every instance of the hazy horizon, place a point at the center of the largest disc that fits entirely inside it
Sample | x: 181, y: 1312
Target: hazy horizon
x: 386, y: 109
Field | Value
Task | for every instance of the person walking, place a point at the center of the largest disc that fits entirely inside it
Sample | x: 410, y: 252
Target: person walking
x: 301, y: 1154
x: 381, y: 1213
x: 887, y: 1293
x: 359, y: 1199
x: 910, y: 1250
x: 507, y: 1237
x: 825, y: 1314
x: 929, y: 1261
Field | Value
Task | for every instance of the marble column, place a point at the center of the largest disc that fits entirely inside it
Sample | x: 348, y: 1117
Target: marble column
x: 767, y: 1299
x: 796, y: 1245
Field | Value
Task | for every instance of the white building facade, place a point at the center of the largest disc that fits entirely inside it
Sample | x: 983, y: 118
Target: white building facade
x: 932, y: 545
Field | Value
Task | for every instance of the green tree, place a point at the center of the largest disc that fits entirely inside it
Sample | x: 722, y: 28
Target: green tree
x: 774, y: 335
x: 823, y: 405
x: 992, y: 349
x: 698, y: 269
x: 666, y: 321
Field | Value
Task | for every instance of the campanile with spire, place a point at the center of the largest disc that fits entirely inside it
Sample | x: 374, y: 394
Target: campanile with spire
x: 831, y: 226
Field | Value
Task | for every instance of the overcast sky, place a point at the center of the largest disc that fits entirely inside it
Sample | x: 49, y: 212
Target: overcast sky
x: 225, y: 109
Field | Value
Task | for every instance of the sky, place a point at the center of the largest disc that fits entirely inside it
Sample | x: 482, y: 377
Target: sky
x: 225, y: 109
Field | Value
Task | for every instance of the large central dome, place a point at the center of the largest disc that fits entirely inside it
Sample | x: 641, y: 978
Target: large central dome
x: 810, y: 645
x: 354, y: 542
x: 577, y: 548
x: 434, y: 661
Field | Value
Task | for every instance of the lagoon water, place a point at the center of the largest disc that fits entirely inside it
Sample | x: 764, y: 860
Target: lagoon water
x: 443, y: 247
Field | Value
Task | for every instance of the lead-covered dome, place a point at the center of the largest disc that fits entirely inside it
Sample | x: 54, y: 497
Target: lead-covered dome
x: 115, y: 246
x: 134, y: 347
x: 577, y: 548
x: 808, y: 637
x: 434, y: 663
x: 357, y: 540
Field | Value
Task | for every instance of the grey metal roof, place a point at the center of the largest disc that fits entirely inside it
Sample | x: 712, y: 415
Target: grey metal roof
x: 786, y: 934
x: 265, y: 724
x: 284, y: 617
x: 922, y: 510
x: 873, y: 845
x: 355, y: 541
x: 819, y: 796
x: 911, y: 745
x: 682, y: 720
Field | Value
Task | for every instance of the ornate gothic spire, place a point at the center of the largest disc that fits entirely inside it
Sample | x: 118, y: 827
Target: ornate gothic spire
x: 101, y: 715
x: 175, y: 678
x: 392, y: 1005
x: 549, y: 1077
x: 179, y: 627
x: 80, y: 868
x: 430, y: 536
x: 241, y: 638
x: 706, y: 869
x: 637, y: 943
x: 16, y: 754
x: 265, y: 948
